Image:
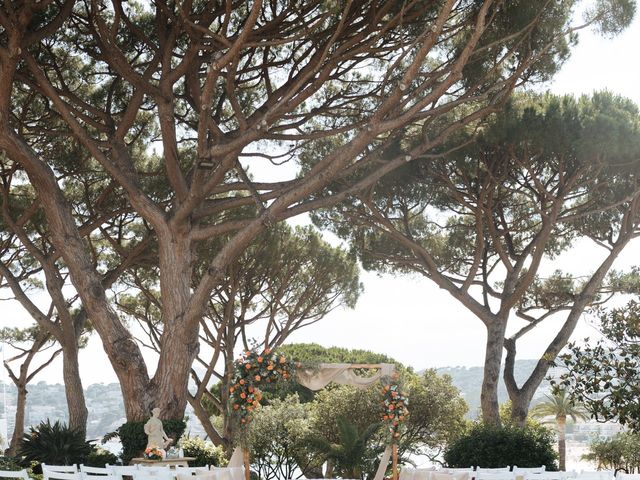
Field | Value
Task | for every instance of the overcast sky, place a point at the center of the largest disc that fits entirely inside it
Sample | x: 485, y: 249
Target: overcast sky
x: 408, y: 318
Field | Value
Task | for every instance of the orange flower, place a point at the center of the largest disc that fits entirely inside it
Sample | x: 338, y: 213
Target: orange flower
x: 270, y: 367
x: 247, y: 366
x: 401, y: 417
x: 386, y: 417
x: 260, y: 359
x: 267, y: 351
x: 282, y: 359
x: 256, y: 403
x: 243, y: 395
x: 250, y: 389
x: 391, y: 416
x: 286, y: 375
x: 394, y: 394
x: 231, y: 390
x: 392, y: 407
x: 236, y: 406
x: 242, y: 420
x: 257, y: 377
x: 249, y: 408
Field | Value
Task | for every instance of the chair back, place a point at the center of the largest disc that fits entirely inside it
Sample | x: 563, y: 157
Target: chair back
x: 119, y: 470
x: 517, y: 469
x: 228, y: 473
x: 14, y: 474
x: 55, y: 475
x: 59, y: 468
x: 495, y: 476
x: 627, y: 476
x: 153, y: 475
x: 595, y: 475
x: 493, y: 470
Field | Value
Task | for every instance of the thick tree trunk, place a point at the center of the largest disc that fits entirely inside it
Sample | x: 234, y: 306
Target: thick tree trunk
x: 18, y: 429
x: 492, y: 362
x: 180, y: 341
x: 73, y: 388
x: 562, y: 442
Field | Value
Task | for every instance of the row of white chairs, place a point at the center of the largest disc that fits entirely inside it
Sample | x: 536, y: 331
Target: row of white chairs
x: 137, y: 472
x: 506, y: 473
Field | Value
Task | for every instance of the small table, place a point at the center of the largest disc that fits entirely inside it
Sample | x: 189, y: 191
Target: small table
x: 168, y: 462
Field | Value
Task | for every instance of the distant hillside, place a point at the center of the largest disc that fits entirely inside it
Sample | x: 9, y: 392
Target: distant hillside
x: 106, y: 409
x: 469, y: 381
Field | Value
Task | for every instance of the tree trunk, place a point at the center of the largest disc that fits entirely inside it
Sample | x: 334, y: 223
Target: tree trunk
x: 562, y: 442
x: 18, y: 430
x: 73, y: 387
x: 492, y: 362
x: 180, y: 342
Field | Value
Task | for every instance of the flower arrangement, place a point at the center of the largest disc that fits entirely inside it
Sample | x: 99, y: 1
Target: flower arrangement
x: 250, y: 370
x: 154, y: 453
x: 394, y: 408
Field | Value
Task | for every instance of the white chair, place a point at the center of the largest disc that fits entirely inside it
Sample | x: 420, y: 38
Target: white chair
x: 228, y: 473
x: 595, y: 475
x: 179, y: 470
x: 547, y: 476
x: 96, y: 473
x: 14, y: 474
x: 480, y: 475
x: 119, y: 470
x: 153, y: 474
x: 59, y: 468
x: 627, y: 476
x: 60, y: 472
x: 524, y: 470
x: 409, y: 473
x: 203, y: 475
x: 437, y: 475
x: 55, y: 475
x: 493, y: 470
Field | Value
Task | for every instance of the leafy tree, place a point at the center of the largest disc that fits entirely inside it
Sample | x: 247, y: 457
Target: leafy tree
x: 604, y: 375
x: 28, y: 343
x: 277, y: 438
x: 287, y: 279
x: 90, y: 89
x: 559, y: 406
x: 620, y: 452
x: 503, y: 202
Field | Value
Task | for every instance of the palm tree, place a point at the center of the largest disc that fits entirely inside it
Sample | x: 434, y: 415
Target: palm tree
x: 347, y: 456
x: 559, y: 406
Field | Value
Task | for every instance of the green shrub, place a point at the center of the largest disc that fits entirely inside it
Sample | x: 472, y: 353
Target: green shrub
x: 56, y: 444
x: 205, y: 453
x: 10, y: 463
x: 99, y: 457
x: 134, y: 440
x: 493, y: 446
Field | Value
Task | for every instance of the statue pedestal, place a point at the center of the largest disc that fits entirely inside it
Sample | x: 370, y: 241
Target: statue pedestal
x: 167, y: 462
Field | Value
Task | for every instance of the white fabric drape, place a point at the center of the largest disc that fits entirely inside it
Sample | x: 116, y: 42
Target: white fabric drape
x: 341, y: 373
x: 237, y: 458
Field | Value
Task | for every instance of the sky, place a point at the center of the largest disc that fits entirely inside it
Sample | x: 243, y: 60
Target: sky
x: 407, y: 317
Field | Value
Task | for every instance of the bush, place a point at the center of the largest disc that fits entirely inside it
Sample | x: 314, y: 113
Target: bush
x: 56, y: 444
x: 493, y: 446
x: 99, y: 457
x: 205, y: 453
x: 10, y: 463
x: 134, y: 440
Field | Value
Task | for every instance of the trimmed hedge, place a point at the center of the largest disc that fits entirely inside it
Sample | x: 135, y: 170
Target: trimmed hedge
x: 493, y: 446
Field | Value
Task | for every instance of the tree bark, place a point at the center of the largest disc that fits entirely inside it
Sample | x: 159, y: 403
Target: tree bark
x: 492, y: 363
x: 74, y: 392
x: 18, y: 430
x: 562, y: 442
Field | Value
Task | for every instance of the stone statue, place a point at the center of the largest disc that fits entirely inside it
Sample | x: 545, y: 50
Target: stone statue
x: 155, y: 432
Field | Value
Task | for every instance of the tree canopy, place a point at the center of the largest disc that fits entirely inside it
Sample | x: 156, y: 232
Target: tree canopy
x: 487, y: 219
x: 137, y: 123
x: 605, y: 375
